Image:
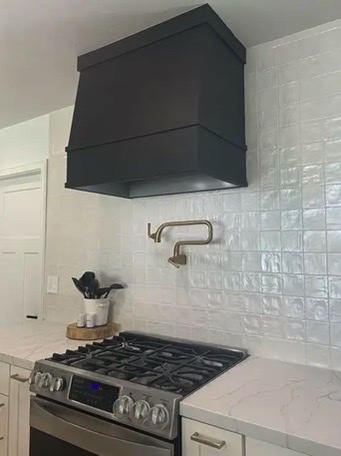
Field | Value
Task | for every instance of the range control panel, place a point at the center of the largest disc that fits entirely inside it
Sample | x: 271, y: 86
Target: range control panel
x: 94, y: 394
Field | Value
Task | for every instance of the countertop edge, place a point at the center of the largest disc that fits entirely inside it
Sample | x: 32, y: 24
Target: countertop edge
x: 16, y: 361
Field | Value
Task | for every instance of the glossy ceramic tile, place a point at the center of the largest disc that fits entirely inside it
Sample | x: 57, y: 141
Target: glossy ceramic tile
x: 271, y: 279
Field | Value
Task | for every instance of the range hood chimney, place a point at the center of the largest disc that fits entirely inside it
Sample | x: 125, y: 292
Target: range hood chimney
x: 161, y: 112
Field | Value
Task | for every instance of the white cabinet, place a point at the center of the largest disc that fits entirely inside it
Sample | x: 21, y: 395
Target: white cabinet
x: 203, y: 440
x: 4, y: 378
x: 19, y: 413
x: 3, y: 424
x: 258, y: 448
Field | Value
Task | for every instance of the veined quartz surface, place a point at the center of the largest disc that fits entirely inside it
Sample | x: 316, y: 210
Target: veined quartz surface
x: 24, y: 344
x: 289, y: 405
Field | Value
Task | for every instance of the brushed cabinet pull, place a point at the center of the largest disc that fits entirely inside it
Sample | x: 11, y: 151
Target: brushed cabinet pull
x: 19, y: 379
x: 209, y: 441
x: 1, y: 406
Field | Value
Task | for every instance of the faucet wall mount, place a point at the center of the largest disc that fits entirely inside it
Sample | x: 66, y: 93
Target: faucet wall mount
x: 179, y: 259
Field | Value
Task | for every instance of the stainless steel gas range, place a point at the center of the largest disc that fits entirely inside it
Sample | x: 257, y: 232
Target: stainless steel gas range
x: 119, y: 397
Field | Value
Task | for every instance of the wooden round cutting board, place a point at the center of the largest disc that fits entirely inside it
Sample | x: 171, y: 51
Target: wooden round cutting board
x: 100, y: 332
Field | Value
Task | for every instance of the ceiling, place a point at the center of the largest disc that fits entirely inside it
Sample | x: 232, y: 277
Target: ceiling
x: 41, y: 39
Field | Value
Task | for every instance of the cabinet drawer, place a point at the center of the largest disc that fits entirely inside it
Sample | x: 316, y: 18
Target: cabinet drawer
x: 201, y: 439
x: 20, y: 374
x: 4, y: 378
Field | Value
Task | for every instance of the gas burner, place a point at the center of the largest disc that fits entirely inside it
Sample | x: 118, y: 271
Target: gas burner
x: 164, y: 364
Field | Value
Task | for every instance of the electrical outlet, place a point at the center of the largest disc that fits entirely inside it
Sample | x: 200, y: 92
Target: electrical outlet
x: 52, y: 284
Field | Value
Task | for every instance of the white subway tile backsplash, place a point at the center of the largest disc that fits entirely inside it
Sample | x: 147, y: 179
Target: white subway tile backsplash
x: 332, y: 150
x: 316, y: 286
x: 334, y: 264
x: 333, y: 173
x: 334, y: 218
x: 271, y: 283
x: 334, y: 287
x: 295, y: 329
x: 271, y: 262
x: 312, y: 132
x: 335, y: 334
x: 291, y: 198
x: 315, y: 241
x: 290, y: 156
x: 294, y: 307
x: 312, y: 153
x: 292, y: 263
x: 293, y: 284
x: 315, y: 263
x: 270, y: 220
x: 333, y: 195
x: 271, y: 241
x: 314, y: 219
x: 318, y: 332
x: 271, y: 280
x: 266, y: 58
x: 313, y: 197
x: 292, y: 241
x: 272, y: 305
x: 288, y: 73
x: 291, y: 220
x: 317, y: 309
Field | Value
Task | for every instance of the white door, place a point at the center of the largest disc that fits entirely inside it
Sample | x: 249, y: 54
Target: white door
x: 22, y: 241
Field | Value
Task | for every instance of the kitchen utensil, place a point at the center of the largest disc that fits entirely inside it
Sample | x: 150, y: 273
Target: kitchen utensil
x: 79, y: 285
x: 114, y: 286
x: 92, y: 288
x: 86, y: 282
x: 101, y: 292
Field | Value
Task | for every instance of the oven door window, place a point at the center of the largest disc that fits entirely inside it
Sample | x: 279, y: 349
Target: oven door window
x: 42, y: 444
x: 61, y: 431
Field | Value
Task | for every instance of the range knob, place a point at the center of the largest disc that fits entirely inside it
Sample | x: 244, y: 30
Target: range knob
x: 122, y: 407
x: 159, y: 416
x: 33, y: 377
x: 57, y: 385
x: 139, y: 412
x: 44, y: 380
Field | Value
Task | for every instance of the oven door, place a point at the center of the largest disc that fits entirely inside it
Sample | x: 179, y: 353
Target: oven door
x: 57, y: 430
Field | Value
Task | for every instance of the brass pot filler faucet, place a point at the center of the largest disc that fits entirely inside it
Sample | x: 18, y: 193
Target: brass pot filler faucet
x: 179, y: 259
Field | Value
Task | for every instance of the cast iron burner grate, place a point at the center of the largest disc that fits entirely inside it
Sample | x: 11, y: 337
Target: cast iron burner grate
x: 165, y: 364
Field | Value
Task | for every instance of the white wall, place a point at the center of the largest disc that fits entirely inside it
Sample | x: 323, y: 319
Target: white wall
x: 24, y: 143
x: 83, y: 230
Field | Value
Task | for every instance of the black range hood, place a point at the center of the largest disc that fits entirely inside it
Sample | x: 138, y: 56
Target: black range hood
x: 161, y: 112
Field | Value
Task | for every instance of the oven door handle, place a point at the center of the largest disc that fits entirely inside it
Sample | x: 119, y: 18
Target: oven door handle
x: 93, y: 434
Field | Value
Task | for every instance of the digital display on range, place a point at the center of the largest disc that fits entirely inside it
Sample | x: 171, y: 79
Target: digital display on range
x: 94, y: 394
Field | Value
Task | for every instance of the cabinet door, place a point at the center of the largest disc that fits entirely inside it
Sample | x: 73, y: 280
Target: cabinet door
x: 203, y: 440
x: 19, y: 413
x: 3, y: 425
x: 258, y: 448
x: 4, y: 379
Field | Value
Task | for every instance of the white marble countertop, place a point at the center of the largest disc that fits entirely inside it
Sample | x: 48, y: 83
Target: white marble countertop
x: 289, y: 405
x: 24, y: 344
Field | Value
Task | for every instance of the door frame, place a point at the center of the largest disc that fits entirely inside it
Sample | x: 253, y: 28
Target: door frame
x: 26, y: 170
